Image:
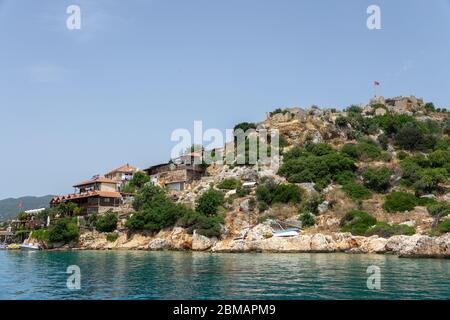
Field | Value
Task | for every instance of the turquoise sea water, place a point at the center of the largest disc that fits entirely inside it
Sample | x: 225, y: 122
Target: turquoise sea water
x: 187, y: 275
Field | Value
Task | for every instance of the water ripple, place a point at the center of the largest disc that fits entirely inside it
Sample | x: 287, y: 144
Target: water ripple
x: 187, y: 275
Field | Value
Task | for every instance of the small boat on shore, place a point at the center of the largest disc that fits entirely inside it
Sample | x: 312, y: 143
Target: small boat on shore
x: 286, y: 233
x: 30, y: 246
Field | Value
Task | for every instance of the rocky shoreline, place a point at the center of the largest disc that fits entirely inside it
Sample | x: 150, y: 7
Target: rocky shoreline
x: 415, y: 246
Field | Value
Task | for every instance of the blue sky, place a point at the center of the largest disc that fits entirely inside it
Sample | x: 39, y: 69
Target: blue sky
x: 77, y: 103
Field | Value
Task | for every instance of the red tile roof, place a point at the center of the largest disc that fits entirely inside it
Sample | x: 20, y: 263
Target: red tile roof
x: 105, y: 194
x: 126, y: 168
x: 95, y: 180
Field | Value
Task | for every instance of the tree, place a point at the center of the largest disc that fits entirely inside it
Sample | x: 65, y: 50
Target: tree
x: 244, y: 126
x: 356, y: 192
x: 208, y: 226
x: 437, y: 211
x: 63, y: 230
x: 400, y: 202
x: 147, y: 196
x: 303, y: 166
x: 229, y: 184
x: 409, y: 137
x: 357, y: 222
x: 154, y: 210
x: 139, y: 179
x: 439, y: 158
x: 107, y: 222
x: 307, y: 219
x: 68, y: 209
x: 377, y: 179
x: 209, y: 202
x: 287, y: 193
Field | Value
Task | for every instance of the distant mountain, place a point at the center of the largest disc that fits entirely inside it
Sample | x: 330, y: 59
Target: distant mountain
x: 9, y: 208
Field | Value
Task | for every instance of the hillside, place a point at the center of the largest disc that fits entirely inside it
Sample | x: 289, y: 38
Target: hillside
x: 387, y: 159
x: 10, y: 207
x: 371, y: 178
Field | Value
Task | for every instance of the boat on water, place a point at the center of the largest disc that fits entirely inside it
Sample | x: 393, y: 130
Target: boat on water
x: 292, y: 232
x: 30, y: 246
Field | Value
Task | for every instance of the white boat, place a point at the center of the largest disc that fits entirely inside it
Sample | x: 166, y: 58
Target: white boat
x: 286, y: 233
x: 30, y: 246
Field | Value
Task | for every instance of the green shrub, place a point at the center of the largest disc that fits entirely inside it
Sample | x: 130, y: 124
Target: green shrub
x: 262, y: 206
x: 139, y: 179
x: 209, y: 202
x: 162, y: 215
x: 22, y: 216
x: 383, y: 140
x: 229, y: 184
x: 278, y: 111
x: 386, y: 230
x: 400, y: 202
x: 307, y: 219
x: 287, y: 193
x: 430, y: 106
x: 147, y: 196
x: 418, y: 135
x: 303, y: 166
x: 443, y: 143
x: 429, y: 180
x: 438, y: 210
x: 208, y: 226
x: 357, y: 222
x: 63, y: 230
x: 154, y: 210
x: 341, y: 121
x: 319, y: 149
x: 244, y: 126
x: 311, y: 205
x: 242, y: 192
x: 356, y: 191
x: 112, y: 237
x: 425, y: 173
x: 353, y: 109
x: 377, y: 179
x: 444, y: 226
x: 128, y: 188
x: 344, y: 177
x: 40, y: 235
x: 270, y: 193
x: 264, y: 194
x: 439, y: 158
x: 263, y: 218
x: 364, y: 150
x: 391, y: 123
x: 106, y: 222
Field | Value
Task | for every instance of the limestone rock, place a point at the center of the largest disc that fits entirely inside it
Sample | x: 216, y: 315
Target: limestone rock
x: 159, y: 244
x: 323, y: 207
x: 259, y: 232
x: 202, y: 243
x: 230, y: 245
x: 380, y: 111
x: 321, y: 243
x: 180, y: 239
